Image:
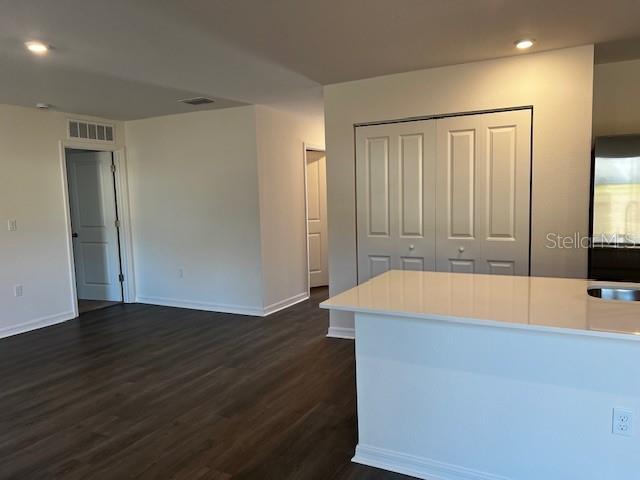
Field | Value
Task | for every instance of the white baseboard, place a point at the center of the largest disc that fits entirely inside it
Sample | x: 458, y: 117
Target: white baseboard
x: 286, y: 303
x: 209, y: 307
x: 35, y: 324
x: 417, y: 466
x: 223, y: 308
x: 341, y: 332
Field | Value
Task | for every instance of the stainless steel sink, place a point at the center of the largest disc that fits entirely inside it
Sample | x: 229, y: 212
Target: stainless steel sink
x: 609, y: 293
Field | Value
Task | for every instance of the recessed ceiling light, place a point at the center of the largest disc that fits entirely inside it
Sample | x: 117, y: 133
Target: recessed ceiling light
x: 524, y: 43
x: 38, y: 48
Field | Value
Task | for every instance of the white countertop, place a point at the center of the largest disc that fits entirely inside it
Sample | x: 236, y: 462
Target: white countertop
x: 539, y: 303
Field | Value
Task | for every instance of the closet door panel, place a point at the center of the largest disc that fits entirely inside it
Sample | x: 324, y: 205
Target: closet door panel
x: 483, y: 193
x: 395, y: 191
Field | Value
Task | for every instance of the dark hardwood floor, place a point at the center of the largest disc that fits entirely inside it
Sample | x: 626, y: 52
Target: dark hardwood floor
x: 146, y: 392
x: 85, y: 306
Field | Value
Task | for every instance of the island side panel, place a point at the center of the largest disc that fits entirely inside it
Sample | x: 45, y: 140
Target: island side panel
x: 441, y: 398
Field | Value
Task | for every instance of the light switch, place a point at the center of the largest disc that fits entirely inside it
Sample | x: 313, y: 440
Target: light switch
x: 12, y: 225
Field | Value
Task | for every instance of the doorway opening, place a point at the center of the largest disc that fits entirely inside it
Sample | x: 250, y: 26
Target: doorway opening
x: 315, y: 167
x: 95, y: 228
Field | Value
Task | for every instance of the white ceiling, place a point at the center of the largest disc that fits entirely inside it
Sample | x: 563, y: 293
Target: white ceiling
x: 127, y: 59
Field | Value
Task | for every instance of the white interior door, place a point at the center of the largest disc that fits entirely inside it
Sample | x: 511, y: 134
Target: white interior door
x: 483, y: 193
x: 317, y: 218
x: 93, y: 222
x: 395, y: 172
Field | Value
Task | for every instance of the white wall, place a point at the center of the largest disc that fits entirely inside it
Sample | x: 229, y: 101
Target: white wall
x: 559, y: 85
x: 195, y: 194
x: 220, y: 196
x: 36, y: 255
x: 281, y: 138
x: 616, y: 98
x: 195, y: 206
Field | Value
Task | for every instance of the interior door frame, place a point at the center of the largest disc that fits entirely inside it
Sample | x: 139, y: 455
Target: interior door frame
x: 436, y: 117
x: 306, y: 147
x: 124, y: 217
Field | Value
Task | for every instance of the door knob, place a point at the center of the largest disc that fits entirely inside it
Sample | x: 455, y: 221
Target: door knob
x: 412, y: 247
x: 74, y: 235
x: 461, y: 249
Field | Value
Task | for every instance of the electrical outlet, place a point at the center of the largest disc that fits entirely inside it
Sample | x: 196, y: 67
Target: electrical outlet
x: 622, y: 422
x: 12, y: 225
x: 17, y: 290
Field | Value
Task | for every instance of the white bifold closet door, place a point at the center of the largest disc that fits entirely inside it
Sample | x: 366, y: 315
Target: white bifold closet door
x: 483, y: 193
x: 396, y: 170
x: 450, y: 194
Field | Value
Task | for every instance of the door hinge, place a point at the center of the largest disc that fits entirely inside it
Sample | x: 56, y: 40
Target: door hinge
x: 117, y: 222
x: 113, y: 168
x: 121, y: 278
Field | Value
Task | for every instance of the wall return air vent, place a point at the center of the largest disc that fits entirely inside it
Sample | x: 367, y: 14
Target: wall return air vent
x: 83, y: 130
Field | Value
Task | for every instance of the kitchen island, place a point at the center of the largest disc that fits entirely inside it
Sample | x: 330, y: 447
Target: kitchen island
x: 465, y: 376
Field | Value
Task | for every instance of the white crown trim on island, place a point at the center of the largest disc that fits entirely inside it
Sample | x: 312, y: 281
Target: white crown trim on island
x: 286, y: 303
x: 342, y: 332
x: 414, y: 466
x: 36, y: 324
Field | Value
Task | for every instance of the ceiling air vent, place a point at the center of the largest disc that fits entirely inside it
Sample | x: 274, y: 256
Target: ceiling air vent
x: 197, y: 101
x: 82, y: 130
